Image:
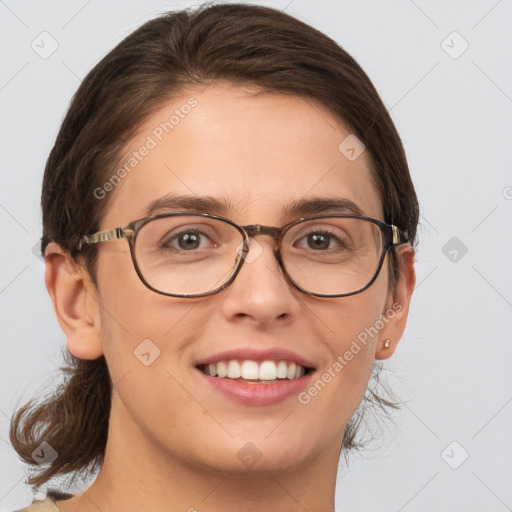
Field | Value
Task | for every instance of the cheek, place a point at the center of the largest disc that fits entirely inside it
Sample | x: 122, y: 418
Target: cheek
x: 353, y: 323
x: 144, y: 349
x: 135, y: 321
x: 351, y: 333
x: 128, y: 305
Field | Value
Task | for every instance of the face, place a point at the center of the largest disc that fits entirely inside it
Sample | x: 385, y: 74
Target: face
x: 256, y: 155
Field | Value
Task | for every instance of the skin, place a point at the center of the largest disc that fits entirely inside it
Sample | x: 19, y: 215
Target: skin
x: 172, y: 441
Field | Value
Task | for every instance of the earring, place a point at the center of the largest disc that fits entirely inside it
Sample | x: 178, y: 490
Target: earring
x: 387, y: 343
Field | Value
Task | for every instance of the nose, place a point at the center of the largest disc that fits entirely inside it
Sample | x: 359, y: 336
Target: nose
x: 261, y: 294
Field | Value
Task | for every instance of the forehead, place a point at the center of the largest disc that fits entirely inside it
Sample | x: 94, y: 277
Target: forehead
x: 256, y: 153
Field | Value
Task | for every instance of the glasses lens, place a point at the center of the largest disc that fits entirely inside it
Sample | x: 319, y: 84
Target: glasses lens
x: 187, y: 254
x: 331, y: 255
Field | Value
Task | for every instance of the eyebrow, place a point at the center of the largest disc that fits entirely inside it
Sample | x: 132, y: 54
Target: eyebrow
x: 207, y: 204
x: 319, y: 205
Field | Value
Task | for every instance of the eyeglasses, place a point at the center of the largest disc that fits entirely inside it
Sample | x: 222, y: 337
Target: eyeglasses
x: 189, y: 254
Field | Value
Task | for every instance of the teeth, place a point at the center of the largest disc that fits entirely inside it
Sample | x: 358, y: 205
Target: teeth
x: 282, y: 370
x: 268, y: 370
x: 222, y: 370
x: 234, y: 370
x: 252, y: 370
x: 290, y: 374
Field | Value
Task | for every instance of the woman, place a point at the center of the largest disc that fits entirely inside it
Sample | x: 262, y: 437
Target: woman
x: 228, y: 228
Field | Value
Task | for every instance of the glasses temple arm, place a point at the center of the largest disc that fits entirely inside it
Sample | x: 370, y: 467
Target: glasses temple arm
x: 105, y: 236
x: 399, y: 237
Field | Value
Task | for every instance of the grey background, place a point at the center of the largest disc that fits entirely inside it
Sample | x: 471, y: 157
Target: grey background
x: 454, y: 115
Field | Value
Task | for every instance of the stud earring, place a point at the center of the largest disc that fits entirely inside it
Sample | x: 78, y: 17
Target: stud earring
x: 387, y: 343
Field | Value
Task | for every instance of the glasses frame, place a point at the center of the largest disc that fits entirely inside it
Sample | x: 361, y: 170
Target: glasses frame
x: 392, y: 236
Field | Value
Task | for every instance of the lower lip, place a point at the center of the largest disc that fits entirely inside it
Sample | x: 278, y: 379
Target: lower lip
x: 258, y: 394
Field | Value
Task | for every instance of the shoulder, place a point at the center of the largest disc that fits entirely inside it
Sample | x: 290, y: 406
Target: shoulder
x: 46, y: 505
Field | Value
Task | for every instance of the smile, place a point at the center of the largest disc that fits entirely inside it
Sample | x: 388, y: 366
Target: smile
x: 265, y: 372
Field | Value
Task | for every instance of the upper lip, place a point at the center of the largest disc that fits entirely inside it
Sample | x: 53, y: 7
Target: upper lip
x: 258, y: 355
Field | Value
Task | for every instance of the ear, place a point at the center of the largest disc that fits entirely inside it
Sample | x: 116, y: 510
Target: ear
x: 75, y: 301
x: 397, y: 307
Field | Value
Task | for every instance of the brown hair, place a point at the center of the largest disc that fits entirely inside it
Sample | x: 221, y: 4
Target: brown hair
x: 245, y: 44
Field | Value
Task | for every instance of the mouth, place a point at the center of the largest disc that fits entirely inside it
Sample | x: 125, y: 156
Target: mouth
x: 255, y: 372
x: 255, y: 376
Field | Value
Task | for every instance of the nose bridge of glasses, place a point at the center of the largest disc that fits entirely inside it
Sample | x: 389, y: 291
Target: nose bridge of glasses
x: 256, y: 229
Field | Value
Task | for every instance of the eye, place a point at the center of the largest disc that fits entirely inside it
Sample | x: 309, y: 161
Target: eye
x: 319, y: 241
x: 187, y: 240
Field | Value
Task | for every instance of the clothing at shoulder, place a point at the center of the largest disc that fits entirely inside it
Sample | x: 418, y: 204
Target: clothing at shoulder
x: 46, y: 505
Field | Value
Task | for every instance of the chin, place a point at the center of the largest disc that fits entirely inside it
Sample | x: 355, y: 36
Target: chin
x: 257, y: 454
